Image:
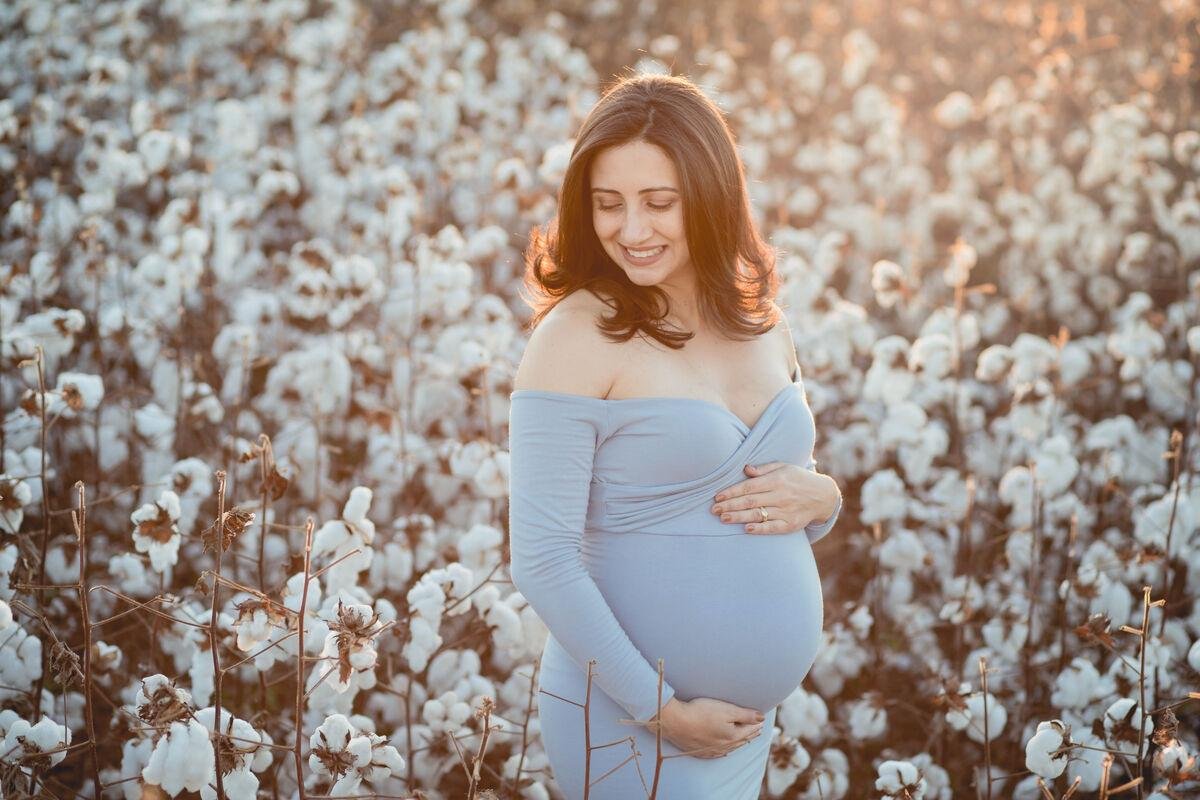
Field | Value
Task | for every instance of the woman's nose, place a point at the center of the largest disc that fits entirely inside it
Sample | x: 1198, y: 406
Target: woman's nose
x: 634, y: 229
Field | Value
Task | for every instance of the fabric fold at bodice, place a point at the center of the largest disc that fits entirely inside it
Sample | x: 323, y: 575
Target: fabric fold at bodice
x: 784, y: 432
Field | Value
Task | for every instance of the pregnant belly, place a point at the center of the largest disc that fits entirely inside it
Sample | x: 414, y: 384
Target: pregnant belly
x: 737, y: 618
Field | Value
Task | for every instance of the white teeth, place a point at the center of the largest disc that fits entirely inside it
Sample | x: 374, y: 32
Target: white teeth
x: 645, y: 253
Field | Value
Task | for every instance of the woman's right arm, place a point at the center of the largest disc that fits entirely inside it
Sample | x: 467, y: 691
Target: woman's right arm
x: 552, y: 444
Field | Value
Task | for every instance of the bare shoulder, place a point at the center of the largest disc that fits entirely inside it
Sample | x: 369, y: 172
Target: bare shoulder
x: 566, y: 352
x: 783, y: 332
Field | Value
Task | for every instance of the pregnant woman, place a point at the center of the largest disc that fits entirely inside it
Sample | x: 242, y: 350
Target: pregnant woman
x: 635, y: 533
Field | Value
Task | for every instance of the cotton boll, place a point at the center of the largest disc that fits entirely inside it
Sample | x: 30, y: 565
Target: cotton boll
x: 16, y: 495
x: 1121, y: 722
x: 182, y: 759
x: 20, y: 659
x: 355, y: 510
x: 24, y: 739
x: 888, y: 283
x: 993, y: 363
x: 1193, y: 656
x: 1056, y: 466
x: 804, y: 715
x: 1016, y: 490
x: 1033, y: 357
x: 1151, y: 523
x: 884, y: 498
x: 932, y: 355
x: 1078, y: 685
x: 971, y: 717
x: 859, y: 53
x: 554, y: 162
x: 157, y: 531
x: 789, y: 761
x: 491, y: 479
x: 1086, y: 762
x: 830, y: 772
x: 900, y: 779
x: 866, y: 719
x: 902, y: 551
x: 955, y: 110
x: 937, y: 780
x: 963, y: 598
x: 479, y: 547
x: 1043, y: 753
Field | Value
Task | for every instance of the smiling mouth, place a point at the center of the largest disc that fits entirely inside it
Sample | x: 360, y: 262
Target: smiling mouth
x: 641, y: 255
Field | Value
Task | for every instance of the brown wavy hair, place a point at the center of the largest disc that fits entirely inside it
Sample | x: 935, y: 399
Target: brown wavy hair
x: 735, y: 269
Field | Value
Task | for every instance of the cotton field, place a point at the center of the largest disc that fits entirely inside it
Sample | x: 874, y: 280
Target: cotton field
x: 259, y: 321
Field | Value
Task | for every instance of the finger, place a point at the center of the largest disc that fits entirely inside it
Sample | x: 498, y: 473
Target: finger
x: 750, y: 716
x: 769, y: 527
x: 748, y: 486
x: 763, y: 469
x: 761, y: 497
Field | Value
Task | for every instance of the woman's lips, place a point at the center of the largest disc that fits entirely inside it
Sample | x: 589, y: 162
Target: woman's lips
x: 642, y: 262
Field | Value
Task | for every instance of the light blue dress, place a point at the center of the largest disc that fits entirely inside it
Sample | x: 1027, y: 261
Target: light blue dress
x: 614, y: 546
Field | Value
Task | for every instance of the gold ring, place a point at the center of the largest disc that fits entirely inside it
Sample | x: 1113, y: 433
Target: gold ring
x: 763, y: 511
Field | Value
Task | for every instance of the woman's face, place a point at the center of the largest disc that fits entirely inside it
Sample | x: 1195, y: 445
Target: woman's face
x: 637, y: 205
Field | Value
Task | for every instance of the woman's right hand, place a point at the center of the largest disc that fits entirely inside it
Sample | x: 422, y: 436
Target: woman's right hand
x: 705, y: 727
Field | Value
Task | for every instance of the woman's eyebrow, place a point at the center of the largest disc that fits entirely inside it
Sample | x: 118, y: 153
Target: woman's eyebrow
x: 640, y: 191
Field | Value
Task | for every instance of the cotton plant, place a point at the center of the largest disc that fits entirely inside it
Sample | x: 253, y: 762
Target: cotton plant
x: 15, y: 496
x: 1176, y: 766
x: 20, y: 656
x: 35, y: 747
x: 188, y: 645
x: 182, y: 753
x: 480, y: 548
x: 804, y: 715
x: 827, y: 776
x: 866, y: 718
x: 502, y: 615
x: 132, y: 575
x: 963, y: 598
x: 341, y: 755
x: 790, y: 760
x: 192, y: 481
x: 54, y: 330
x: 1007, y: 633
x: 485, y: 466
x: 338, y: 538
x: 314, y: 382
x: 1079, y: 685
x: 1047, y: 752
x: 156, y: 530
x: 888, y: 379
x: 182, y: 758
x: 966, y: 713
x: 899, y: 780
x: 1122, y: 722
x: 884, y: 497
x: 245, y: 751
x: 428, y: 601
x: 840, y: 659
x: 936, y: 779
x: 1167, y: 524
x: 347, y: 659
x: 261, y: 626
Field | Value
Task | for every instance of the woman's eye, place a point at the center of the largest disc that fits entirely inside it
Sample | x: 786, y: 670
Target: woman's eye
x: 652, y: 205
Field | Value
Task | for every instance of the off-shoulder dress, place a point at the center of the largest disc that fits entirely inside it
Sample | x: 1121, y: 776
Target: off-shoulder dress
x: 614, y: 547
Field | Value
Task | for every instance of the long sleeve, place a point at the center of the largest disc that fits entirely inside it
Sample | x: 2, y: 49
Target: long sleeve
x: 553, y: 439
x: 817, y: 530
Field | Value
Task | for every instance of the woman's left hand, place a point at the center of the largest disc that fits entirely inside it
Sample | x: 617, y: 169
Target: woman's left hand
x: 793, y: 496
